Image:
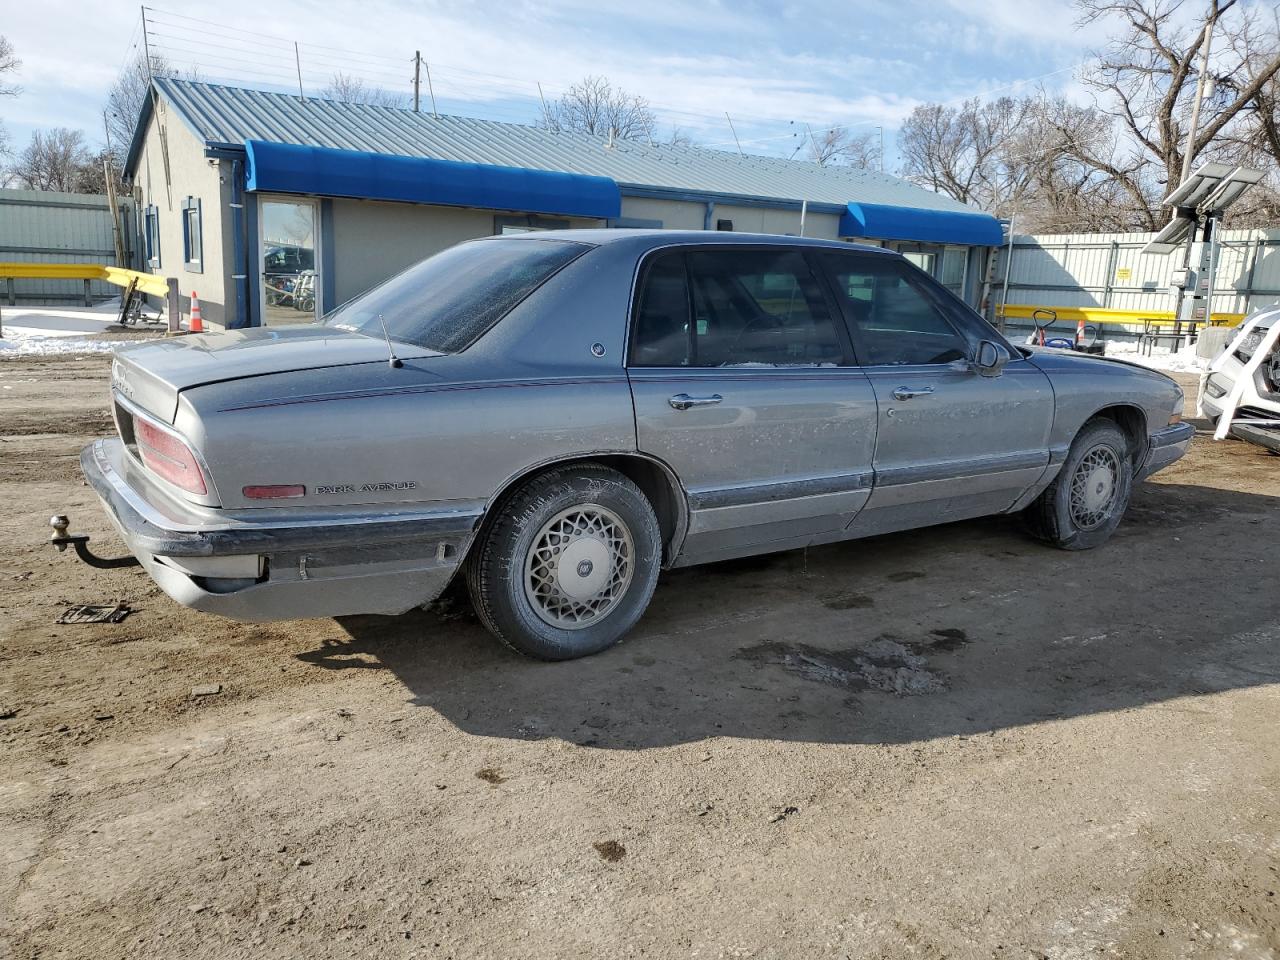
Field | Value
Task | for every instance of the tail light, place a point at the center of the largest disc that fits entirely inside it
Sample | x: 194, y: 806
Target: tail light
x: 165, y: 455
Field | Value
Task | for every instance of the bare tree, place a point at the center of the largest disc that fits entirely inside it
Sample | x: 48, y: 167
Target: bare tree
x: 1020, y: 158
x: 56, y: 159
x: 838, y: 145
x: 1255, y: 43
x: 9, y: 63
x: 351, y: 89
x: 594, y: 106
x: 680, y: 138
x: 1145, y: 79
x: 966, y: 151
x: 127, y: 96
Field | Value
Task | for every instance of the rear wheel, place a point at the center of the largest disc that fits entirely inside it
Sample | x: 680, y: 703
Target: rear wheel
x: 1086, y: 501
x: 569, y: 565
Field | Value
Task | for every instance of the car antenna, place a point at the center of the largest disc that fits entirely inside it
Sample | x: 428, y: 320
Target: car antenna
x: 394, y: 361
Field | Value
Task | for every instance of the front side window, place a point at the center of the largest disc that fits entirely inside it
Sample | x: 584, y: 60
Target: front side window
x: 894, y: 319
x: 733, y: 308
x: 447, y: 302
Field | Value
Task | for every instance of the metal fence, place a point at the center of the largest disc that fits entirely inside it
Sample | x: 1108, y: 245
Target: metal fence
x: 43, y: 227
x: 1108, y: 270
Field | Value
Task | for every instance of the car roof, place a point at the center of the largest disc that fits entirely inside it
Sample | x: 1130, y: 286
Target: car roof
x: 657, y: 237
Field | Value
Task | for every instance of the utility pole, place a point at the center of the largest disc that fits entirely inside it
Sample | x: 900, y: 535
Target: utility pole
x: 1189, y: 150
x: 110, y: 178
x: 881, y: 129
x: 417, y: 78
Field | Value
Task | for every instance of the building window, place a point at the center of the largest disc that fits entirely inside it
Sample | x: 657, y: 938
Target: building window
x: 192, y: 242
x: 527, y: 224
x: 151, y: 236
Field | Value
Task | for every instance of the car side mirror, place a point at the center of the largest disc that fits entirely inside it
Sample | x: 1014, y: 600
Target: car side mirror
x: 990, y: 358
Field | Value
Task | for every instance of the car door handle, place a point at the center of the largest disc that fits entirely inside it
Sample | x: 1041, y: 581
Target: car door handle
x: 909, y: 393
x: 682, y: 401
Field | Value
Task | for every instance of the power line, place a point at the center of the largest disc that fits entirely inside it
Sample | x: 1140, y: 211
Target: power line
x: 285, y: 62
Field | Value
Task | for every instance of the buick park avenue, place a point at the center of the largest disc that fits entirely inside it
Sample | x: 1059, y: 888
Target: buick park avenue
x: 556, y: 417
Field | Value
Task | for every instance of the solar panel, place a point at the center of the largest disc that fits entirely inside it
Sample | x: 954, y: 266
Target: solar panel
x: 1173, y: 236
x: 1198, y: 185
x: 1229, y: 190
x: 1208, y: 191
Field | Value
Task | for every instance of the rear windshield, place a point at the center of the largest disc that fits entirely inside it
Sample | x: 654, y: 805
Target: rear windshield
x: 445, y: 303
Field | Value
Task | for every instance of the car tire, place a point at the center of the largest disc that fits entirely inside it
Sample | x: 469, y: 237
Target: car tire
x: 569, y: 564
x: 1084, y: 504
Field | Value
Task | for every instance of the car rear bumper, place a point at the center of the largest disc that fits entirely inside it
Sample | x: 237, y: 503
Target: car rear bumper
x: 308, y: 567
x: 1165, y: 446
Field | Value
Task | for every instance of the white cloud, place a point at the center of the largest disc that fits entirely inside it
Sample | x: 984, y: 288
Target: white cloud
x: 821, y: 61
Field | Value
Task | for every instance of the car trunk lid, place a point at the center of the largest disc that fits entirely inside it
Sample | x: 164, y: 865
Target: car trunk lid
x: 152, y: 375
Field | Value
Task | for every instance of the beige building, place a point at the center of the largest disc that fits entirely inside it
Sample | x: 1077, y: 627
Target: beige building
x: 276, y: 209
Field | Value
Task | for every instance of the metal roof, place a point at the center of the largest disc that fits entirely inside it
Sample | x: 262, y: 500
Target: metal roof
x: 228, y: 116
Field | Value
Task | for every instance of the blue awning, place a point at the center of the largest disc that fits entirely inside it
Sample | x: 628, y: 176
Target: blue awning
x: 290, y: 168
x: 878, y: 221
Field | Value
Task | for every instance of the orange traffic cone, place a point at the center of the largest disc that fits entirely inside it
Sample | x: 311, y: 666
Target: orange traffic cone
x: 197, y: 324
x: 1080, y: 332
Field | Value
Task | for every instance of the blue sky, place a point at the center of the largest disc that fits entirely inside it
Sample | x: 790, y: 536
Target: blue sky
x: 774, y: 67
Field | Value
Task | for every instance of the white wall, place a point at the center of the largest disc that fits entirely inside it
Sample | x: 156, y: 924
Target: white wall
x: 188, y: 173
x: 43, y: 226
x: 1109, y: 270
x: 691, y: 215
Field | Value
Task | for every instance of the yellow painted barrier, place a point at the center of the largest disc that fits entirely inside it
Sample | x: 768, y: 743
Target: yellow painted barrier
x: 1023, y: 311
x: 146, y: 282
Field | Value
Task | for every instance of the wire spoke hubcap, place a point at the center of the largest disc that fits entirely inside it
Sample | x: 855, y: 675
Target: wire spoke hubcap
x: 1094, y: 486
x: 579, y: 566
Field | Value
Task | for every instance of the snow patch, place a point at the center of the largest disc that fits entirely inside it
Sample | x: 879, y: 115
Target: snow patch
x: 46, y: 331
x: 1160, y: 358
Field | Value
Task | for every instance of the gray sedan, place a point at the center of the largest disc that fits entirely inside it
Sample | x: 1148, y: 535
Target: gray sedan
x: 556, y: 417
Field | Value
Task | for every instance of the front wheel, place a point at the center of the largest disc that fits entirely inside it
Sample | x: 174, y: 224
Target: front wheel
x: 1084, y: 504
x: 569, y: 565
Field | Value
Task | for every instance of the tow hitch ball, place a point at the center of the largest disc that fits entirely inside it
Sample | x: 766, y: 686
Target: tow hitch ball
x: 80, y: 541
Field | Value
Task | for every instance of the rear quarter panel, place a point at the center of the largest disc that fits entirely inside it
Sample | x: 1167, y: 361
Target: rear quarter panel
x: 431, y: 434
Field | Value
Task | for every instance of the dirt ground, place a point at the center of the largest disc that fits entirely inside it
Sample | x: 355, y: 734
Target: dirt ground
x: 947, y: 743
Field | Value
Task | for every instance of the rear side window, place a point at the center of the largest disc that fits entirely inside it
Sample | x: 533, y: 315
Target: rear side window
x: 893, y: 318
x: 447, y: 302
x: 662, y: 316
x: 725, y: 308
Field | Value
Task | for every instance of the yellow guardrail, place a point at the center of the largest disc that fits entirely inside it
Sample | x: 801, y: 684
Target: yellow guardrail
x: 146, y: 282
x: 1023, y: 311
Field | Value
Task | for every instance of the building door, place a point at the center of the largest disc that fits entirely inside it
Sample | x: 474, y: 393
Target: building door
x: 742, y: 381
x: 289, y: 260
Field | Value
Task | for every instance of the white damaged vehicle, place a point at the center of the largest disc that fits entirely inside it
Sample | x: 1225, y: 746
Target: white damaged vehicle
x: 1240, y: 392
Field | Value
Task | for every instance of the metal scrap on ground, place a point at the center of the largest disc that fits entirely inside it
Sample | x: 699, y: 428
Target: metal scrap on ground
x: 95, y: 613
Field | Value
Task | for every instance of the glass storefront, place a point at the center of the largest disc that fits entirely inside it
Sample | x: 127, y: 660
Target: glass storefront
x: 288, y: 261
